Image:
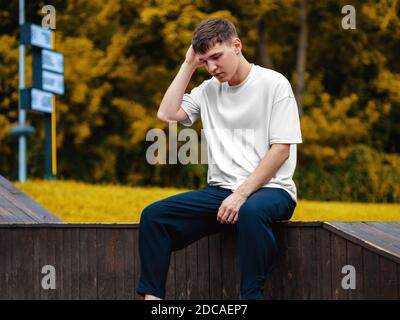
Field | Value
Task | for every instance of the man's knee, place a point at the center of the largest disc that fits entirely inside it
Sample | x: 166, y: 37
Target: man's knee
x: 251, y: 214
x: 152, y: 212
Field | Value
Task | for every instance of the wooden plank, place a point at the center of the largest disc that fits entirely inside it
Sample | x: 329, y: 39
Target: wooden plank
x: 229, y: 269
x: 6, y: 215
x: 368, y: 237
x: 8, y: 236
x: 324, y: 261
x: 297, y: 224
x: 36, y: 275
x: 339, y: 255
x: 293, y: 288
x: 25, y: 203
x: 12, y: 213
x: 274, y: 280
x: 119, y: 266
x: 75, y: 265
x: 59, y: 263
x: 136, y: 261
x: 180, y: 275
x: 52, y: 294
x: 371, y: 274
x: 128, y: 243
x: 66, y: 264
x: 106, y: 264
x: 26, y: 240
x: 308, y: 264
x: 235, y: 278
x: 355, y: 258
x: 388, y: 279
x: 14, y: 285
x: 42, y: 260
x: 191, y: 271
x: 6, y: 185
x: 170, y: 283
x: 215, y: 267
x: 392, y: 228
x: 377, y: 234
x: 203, y: 268
x: 63, y: 225
x: 279, y: 274
x: 4, y: 250
x: 87, y: 264
x: 283, y: 280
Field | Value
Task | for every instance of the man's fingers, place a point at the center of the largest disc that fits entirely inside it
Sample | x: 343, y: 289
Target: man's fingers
x: 228, y: 215
x: 235, y: 219
x: 225, y: 215
x: 231, y: 216
x: 220, y: 213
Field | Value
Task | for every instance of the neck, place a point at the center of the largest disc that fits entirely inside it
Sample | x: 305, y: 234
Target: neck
x: 242, y: 72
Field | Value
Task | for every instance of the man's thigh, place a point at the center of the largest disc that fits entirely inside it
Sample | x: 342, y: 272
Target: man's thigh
x: 189, y: 216
x: 273, y: 204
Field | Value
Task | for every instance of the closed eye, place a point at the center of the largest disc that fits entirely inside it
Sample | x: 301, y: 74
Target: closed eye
x: 216, y: 57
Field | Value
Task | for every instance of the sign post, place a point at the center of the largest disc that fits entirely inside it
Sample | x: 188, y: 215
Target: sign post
x: 47, y: 81
x: 21, y: 131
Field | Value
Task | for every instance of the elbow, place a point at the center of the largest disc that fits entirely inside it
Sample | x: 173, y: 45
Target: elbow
x: 162, y: 117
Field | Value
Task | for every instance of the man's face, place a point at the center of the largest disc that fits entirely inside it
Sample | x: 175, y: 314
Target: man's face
x: 222, y: 60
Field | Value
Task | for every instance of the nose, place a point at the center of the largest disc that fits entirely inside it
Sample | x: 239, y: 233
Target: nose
x: 212, y: 67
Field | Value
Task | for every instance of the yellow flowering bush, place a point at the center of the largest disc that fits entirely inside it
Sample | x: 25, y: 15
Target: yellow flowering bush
x: 80, y: 202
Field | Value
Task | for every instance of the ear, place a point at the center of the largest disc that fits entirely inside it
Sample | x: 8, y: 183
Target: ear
x: 237, y: 45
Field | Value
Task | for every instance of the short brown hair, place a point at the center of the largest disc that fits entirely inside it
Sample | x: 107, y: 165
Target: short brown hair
x: 210, y: 31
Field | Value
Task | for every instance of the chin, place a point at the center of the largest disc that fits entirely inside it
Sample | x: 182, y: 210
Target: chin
x: 223, y: 79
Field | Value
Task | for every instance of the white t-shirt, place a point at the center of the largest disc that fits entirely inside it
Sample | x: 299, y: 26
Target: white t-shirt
x: 240, y: 124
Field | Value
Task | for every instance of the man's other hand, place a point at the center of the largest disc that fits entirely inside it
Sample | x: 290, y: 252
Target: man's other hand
x: 229, y: 210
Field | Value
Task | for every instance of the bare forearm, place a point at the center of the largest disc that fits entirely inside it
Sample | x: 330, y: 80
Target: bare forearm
x: 265, y: 170
x: 172, y: 99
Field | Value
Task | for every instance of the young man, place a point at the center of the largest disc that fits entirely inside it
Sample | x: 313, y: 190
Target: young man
x: 250, y: 184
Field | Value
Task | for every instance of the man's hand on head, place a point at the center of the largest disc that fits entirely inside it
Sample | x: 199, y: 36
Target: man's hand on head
x: 229, y: 210
x: 192, y: 58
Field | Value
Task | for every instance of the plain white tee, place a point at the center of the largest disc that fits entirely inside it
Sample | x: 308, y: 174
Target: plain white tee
x: 240, y: 124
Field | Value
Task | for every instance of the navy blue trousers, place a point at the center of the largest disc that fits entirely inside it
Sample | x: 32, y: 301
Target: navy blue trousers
x: 177, y: 221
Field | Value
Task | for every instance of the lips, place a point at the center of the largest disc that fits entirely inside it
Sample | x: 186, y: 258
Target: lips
x: 218, y: 74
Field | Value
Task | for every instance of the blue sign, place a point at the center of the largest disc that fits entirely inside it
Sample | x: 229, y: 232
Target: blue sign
x: 53, y: 82
x: 52, y: 61
x: 37, y: 36
x: 36, y: 100
x: 41, y: 101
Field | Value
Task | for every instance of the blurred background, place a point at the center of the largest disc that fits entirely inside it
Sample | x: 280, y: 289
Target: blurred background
x: 121, y: 56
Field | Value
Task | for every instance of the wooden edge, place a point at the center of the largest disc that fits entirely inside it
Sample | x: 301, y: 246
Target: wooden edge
x: 70, y: 225
x: 288, y: 223
x: 129, y: 225
x: 368, y: 245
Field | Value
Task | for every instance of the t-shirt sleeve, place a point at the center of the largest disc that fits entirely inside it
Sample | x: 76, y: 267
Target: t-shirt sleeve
x: 285, y: 121
x: 191, y: 104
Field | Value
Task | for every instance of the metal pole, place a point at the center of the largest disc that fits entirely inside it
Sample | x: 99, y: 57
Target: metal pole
x: 21, y: 113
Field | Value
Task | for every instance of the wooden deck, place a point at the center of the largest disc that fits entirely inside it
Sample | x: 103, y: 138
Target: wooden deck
x: 17, y: 207
x: 100, y: 261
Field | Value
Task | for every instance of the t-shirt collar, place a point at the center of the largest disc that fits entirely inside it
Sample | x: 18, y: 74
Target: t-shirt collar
x: 244, y: 81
